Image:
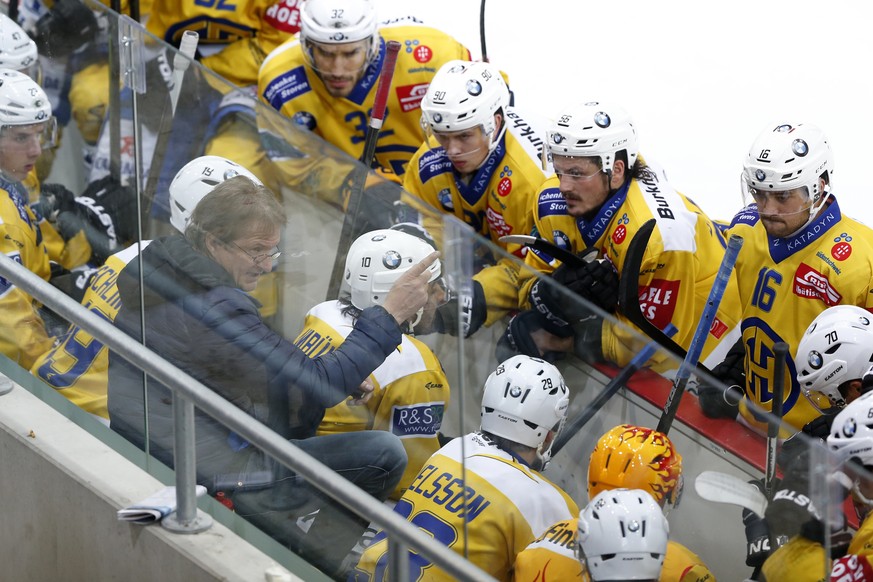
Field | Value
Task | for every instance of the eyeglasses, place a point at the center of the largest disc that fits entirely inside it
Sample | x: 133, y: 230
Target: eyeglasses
x: 258, y: 259
x: 576, y: 176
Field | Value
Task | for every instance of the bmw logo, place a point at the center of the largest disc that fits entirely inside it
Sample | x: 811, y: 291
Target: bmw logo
x: 602, y: 119
x: 515, y: 391
x: 437, y: 118
x: 304, y: 119
x: 474, y: 87
x: 799, y: 147
x: 557, y: 138
x: 633, y: 526
x: 814, y: 360
x: 785, y: 128
x: 338, y: 36
x: 760, y: 175
x: 392, y: 260
x: 849, y: 428
x: 230, y: 173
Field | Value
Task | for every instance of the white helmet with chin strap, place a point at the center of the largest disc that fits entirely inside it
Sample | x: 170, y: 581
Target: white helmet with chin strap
x: 18, y: 50
x: 464, y: 95
x: 837, y: 347
x: 195, y: 180
x: 377, y: 259
x: 23, y: 102
x: 789, y: 156
x: 851, y: 439
x: 338, y: 22
x: 594, y: 129
x: 622, y: 535
x: 524, y: 399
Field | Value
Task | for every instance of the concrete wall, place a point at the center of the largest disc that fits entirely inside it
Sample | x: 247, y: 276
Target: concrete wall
x: 61, y: 488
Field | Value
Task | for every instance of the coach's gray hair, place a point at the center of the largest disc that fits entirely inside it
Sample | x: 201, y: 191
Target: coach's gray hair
x: 234, y: 209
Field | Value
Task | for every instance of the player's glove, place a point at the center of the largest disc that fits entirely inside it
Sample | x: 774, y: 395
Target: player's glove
x: 596, y: 283
x: 473, y: 312
x: 66, y: 28
x: 518, y: 337
x: 54, y: 199
x: 716, y: 401
x: 758, y: 535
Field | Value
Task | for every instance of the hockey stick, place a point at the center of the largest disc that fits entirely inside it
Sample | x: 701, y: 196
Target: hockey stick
x: 620, y: 379
x: 629, y: 293
x: 377, y: 116
x: 550, y: 248
x: 693, y: 356
x: 725, y: 488
x: 775, y: 419
x: 482, y: 31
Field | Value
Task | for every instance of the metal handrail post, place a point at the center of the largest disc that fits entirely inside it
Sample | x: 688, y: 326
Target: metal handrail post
x: 186, y: 518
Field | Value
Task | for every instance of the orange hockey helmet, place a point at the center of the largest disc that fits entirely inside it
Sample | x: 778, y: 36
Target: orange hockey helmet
x: 635, y: 457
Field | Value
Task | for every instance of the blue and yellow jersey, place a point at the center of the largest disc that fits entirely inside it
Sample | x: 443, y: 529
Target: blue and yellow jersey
x: 784, y: 284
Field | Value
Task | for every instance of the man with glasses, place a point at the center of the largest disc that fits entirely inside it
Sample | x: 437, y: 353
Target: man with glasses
x: 482, y: 162
x: 411, y: 390
x: 603, y: 192
x: 801, y: 255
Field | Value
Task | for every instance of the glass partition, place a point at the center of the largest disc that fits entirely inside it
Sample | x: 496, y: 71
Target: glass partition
x: 429, y: 391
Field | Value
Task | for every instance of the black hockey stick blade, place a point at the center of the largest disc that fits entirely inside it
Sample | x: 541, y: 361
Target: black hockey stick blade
x: 551, y: 249
x: 612, y: 387
x: 629, y: 294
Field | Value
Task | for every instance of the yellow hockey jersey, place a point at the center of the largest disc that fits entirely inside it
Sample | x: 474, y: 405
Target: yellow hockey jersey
x: 22, y: 331
x: 552, y: 558
x: 496, y: 202
x: 677, y: 272
x: 783, y: 285
x: 235, y: 37
x: 501, y: 507
x: 78, y: 367
x: 410, y: 396
x: 288, y: 83
x: 798, y: 560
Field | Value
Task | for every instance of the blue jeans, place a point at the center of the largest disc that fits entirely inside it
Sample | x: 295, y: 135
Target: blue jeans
x: 373, y: 460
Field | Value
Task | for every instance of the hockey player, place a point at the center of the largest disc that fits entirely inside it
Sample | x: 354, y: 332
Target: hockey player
x: 411, y: 390
x: 622, y: 535
x: 77, y: 366
x: 801, y: 255
x: 602, y: 193
x: 26, y: 125
x: 325, y: 81
x: 851, y: 440
x: 626, y: 456
x: 482, y: 494
x: 482, y: 162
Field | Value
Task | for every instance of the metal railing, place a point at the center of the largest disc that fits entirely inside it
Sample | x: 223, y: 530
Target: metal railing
x: 188, y: 392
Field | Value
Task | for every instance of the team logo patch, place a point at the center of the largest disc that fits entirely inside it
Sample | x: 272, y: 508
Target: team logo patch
x: 658, y: 301
x: 304, y: 119
x: 410, y: 96
x: 619, y: 234
x: 842, y: 250
x: 815, y: 360
x: 422, y: 53
x: 392, y: 260
x: 561, y: 239
x: 849, y: 427
x: 811, y: 284
x: 420, y: 420
x: 504, y: 187
x: 497, y: 224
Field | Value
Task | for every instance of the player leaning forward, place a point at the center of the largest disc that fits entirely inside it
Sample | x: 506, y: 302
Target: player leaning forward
x: 482, y: 494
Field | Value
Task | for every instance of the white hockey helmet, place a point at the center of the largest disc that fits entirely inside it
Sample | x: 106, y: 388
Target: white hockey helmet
x: 23, y: 102
x: 789, y: 156
x: 594, y: 129
x: 377, y: 259
x: 851, y: 439
x: 463, y: 95
x: 836, y: 347
x: 195, y: 180
x: 338, y: 22
x: 524, y: 399
x: 622, y: 536
x: 18, y: 50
